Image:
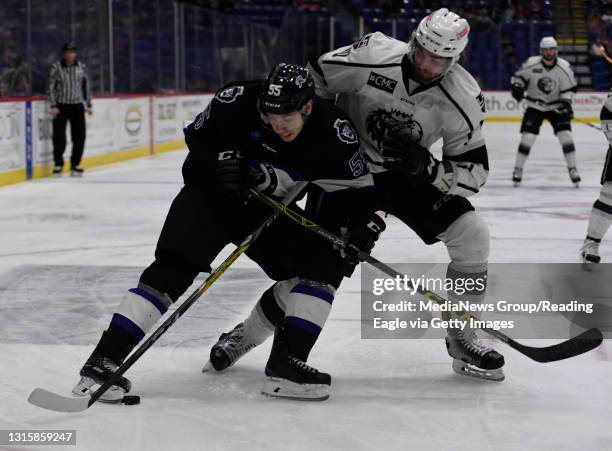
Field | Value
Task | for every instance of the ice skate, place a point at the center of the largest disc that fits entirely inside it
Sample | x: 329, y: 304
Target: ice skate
x: 76, y: 171
x: 291, y: 378
x: 517, y: 176
x: 471, y: 358
x: 574, y: 176
x: 230, y: 347
x: 96, y: 371
x: 589, y: 252
x: 57, y: 171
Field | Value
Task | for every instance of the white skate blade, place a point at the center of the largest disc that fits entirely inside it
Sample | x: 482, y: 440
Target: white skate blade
x: 276, y: 387
x: 465, y: 369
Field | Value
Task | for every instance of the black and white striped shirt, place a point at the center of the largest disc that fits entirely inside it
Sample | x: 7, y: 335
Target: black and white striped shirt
x: 69, y: 84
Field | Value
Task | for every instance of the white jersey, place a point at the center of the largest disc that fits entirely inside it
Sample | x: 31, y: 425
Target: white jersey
x: 372, y: 82
x: 545, y: 87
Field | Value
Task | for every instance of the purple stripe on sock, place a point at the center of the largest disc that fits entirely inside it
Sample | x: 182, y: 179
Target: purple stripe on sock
x: 159, y: 305
x: 316, y: 292
x: 303, y: 324
x: 127, y: 325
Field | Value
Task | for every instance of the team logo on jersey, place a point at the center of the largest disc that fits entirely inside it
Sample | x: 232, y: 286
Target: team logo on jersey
x: 381, y: 82
x: 380, y: 121
x: 345, y: 131
x: 363, y: 42
x: 481, y: 101
x: 230, y: 94
x: 547, y: 85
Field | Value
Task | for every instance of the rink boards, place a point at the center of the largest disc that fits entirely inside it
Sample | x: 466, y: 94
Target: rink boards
x: 125, y: 127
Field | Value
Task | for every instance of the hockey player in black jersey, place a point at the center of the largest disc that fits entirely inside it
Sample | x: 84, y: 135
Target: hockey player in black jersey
x: 403, y: 97
x: 268, y: 135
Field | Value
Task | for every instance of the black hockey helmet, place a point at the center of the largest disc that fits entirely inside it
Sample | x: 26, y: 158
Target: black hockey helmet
x: 287, y: 89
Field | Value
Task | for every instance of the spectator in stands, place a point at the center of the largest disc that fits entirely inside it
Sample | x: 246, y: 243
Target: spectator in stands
x: 14, y: 75
x: 70, y: 97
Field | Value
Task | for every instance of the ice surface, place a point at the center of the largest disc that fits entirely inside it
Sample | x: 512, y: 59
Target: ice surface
x: 69, y: 248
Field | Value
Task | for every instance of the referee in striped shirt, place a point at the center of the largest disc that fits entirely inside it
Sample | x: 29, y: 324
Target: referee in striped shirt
x: 70, y: 98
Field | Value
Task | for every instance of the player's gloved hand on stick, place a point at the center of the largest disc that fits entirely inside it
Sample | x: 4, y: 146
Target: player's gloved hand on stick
x: 231, y: 176
x: 566, y: 109
x: 518, y: 92
x: 362, y: 237
x: 404, y: 155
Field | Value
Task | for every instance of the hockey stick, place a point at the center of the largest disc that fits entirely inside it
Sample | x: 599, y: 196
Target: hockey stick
x: 52, y: 401
x: 582, y: 121
x: 577, y: 345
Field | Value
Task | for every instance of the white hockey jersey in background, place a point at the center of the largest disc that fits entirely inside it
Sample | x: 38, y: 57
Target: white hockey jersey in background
x: 371, y: 81
x: 545, y: 87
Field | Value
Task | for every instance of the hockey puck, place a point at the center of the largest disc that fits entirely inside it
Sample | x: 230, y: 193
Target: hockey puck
x: 131, y: 400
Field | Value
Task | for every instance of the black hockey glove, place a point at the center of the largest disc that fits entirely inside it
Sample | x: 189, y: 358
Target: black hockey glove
x: 231, y: 176
x: 565, y: 109
x: 518, y: 92
x: 361, y: 237
x: 402, y: 154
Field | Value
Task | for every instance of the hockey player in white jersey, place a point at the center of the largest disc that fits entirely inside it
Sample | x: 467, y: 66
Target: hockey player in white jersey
x: 547, y: 84
x: 601, y: 214
x: 403, y: 97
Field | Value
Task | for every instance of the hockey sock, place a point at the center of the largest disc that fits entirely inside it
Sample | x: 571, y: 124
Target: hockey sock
x: 140, y: 308
x: 601, y: 214
x: 569, y: 150
x: 308, y: 307
x: 264, y: 317
x: 469, y: 284
x: 527, y: 140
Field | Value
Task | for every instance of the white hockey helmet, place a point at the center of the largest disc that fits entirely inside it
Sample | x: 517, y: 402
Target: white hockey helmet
x: 443, y: 33
x: 548, y: 42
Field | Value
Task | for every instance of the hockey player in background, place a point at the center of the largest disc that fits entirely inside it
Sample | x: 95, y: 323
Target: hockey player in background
x: 601, y: 214
x: 269, y: 135
x: 547, y: 84
x: 403, y: 97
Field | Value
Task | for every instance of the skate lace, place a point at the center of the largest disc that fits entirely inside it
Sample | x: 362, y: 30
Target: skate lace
x: 106, y: 364
x: 301, y: 365
x: 235, y: 345
x: 472, y: 343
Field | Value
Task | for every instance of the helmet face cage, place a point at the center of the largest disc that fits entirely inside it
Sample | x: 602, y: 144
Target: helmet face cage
x: 287, y: 89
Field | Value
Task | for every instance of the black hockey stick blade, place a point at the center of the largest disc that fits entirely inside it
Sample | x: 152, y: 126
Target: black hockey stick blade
x: 577, y: 345
x: 52, y: 401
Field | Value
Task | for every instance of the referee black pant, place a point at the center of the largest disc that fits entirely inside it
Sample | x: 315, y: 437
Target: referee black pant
x: 75, y: 113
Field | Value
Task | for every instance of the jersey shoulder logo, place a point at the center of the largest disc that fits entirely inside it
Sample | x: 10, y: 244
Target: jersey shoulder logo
x: 363, y: 42
x: 481, y: 101
x: 380, y: 121
x: 381, y: 82
x: 345, y: 131
x: 230, y: 94
x: 345, y: 52
x: 547, y: 85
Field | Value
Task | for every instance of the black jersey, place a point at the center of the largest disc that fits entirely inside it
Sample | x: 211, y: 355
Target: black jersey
x: 326, y: 152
